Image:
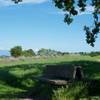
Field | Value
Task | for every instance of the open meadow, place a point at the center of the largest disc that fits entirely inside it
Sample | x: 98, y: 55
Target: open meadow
x: 16, y: 76
x: 49, y: 49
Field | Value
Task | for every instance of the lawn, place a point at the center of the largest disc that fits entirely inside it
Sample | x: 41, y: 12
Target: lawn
x: 16, y: 75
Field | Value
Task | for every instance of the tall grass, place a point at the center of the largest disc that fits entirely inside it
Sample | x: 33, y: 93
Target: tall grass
x: 76, y: 91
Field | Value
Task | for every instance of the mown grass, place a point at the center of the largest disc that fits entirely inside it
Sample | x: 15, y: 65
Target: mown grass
x: 44, y: 60
x: 16, y: 77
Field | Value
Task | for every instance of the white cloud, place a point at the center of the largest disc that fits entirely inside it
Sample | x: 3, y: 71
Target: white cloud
x: 9, y: 2
x: 34, y: 1
x: 89, y: 10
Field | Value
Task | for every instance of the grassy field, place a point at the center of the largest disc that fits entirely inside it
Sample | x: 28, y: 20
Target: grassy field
x: 16, y: 74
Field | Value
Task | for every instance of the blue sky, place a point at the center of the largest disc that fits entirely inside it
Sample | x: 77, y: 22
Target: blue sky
x: 40, y: 25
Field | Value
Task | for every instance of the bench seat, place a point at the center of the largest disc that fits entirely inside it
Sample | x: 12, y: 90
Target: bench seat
x: 52, y: 80
x: 57, y: 74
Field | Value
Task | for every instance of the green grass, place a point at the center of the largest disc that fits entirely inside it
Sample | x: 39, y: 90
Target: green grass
x: 16, y: 75
x: 44, y: 60
x: 76, y: 91
x: 17, y: 80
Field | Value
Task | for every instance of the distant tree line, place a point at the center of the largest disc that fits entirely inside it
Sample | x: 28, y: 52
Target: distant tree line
x: 17, y: 51
x: 48, y: 52
x: 95, y: 53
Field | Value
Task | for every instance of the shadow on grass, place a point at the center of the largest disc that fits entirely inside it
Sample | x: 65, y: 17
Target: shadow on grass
x: 41, y: 91
x: 13, y: 80
x: 90, y: 85
x: 23, y: 81
x: 91, y: 68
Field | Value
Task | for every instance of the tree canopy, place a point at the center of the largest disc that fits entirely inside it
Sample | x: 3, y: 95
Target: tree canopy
x: 48, y: 52
x: 16, y: 51
x: 72, y: 8
x: 28, y: 53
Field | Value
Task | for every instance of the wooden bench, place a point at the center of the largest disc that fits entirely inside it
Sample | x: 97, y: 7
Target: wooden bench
x: 58, y: 74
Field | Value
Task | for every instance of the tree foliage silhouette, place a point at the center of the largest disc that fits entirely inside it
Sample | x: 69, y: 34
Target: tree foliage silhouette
x: 16, y: 51
x: 71, y: 7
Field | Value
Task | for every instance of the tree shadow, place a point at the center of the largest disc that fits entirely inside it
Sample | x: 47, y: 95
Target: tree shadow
x: 23, y: 66
x: 91, y: 68
x: 91, y: 81
x: 11, y: 80
x: 41, y: 91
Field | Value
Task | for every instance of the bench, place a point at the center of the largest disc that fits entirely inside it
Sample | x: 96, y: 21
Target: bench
x: 58, y: 74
